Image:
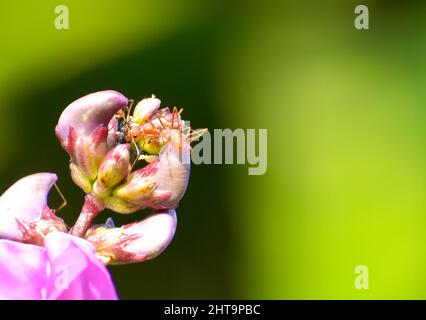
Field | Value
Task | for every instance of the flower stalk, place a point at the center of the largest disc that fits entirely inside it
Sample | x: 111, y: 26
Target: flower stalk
x: 91, y: 208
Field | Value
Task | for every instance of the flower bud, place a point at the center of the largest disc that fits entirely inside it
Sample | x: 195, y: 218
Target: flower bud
x: 134, y: 242
x: 145, y: 109
x: 139, y: 186
x: 114, y: 168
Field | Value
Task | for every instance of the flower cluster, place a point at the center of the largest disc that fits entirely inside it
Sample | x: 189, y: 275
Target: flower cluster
x: 125, y: 158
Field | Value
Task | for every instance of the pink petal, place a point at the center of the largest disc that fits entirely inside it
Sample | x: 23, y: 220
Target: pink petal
x: 173, y: 170
x: 145, y: 109
x: 25, y: 201
x: 155, y: 233
x: 22, y: 271
x: 89, y: 112
x: 76, y: 272
x: 67, y: 268
x: 135, y: 242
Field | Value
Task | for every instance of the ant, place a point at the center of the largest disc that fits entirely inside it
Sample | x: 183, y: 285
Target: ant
x: 155, y: 130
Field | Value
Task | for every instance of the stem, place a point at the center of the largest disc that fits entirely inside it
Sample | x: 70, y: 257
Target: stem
x: 91, y: 208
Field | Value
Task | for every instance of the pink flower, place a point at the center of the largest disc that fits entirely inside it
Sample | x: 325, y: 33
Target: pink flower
x: 24, y: 213
x: 65, y: 268
x: 105, y: 140
x: 38, y: 260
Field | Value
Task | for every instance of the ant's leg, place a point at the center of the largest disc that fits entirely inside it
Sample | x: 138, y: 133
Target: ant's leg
x: 64, y: 201
x: 138, y: 153
x: 174, y: 114
x: 131, y: 103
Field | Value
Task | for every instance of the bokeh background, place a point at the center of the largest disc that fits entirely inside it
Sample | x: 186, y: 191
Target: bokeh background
x: 346, y: 117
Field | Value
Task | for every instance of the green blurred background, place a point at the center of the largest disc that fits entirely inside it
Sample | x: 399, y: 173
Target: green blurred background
x: 345, y: 113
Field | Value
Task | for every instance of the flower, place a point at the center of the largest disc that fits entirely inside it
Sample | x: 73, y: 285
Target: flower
x: 65, y: 268
x: 24, y: 213
x: 38, y: 260
x: 135, y: 242
x: 105, y: 141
